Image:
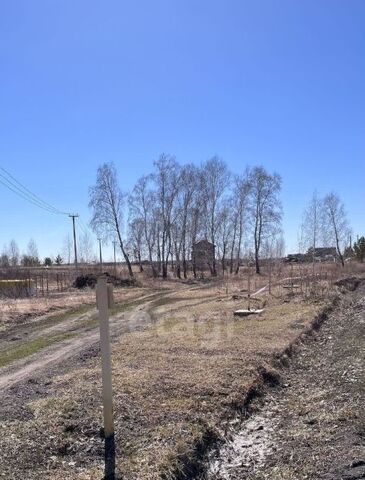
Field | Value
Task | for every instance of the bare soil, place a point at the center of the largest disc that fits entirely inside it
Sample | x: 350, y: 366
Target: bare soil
x: 47, y: 340
x: 312, y: 425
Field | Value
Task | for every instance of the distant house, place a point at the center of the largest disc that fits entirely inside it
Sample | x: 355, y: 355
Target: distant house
x: 203, y: 254
x: 321, y: 254
x: 296, y: 257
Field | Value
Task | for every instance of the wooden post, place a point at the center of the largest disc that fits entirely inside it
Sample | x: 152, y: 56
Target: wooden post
x: 104, y: 300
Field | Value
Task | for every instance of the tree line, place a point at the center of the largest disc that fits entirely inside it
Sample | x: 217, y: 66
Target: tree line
x: 11, y: 256
x: 176, y: 205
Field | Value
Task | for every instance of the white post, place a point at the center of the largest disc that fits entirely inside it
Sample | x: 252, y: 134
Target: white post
x: 249, y: 287
x: 103, y: 298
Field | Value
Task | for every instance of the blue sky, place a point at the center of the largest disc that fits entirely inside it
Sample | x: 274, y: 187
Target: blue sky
x: 277, y: 83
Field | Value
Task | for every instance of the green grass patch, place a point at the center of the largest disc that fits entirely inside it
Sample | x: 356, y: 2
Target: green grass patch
x: 123, y: 306
x: 56, y: 318
x: 22, y: 351
x: 119, y: 307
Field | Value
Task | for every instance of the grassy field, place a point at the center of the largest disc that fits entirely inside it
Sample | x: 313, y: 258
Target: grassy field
x: 176, y: 382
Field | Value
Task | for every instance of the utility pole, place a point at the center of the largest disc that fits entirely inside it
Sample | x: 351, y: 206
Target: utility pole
x: 73, y: 216
x: 115, y: 258
x: 100, y: 255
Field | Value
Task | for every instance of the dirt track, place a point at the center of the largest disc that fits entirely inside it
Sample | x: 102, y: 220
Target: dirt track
x: 84, y: 333
x: 312, y: 426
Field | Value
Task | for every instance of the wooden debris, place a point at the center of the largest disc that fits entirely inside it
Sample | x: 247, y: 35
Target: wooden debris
x: 245, y: 313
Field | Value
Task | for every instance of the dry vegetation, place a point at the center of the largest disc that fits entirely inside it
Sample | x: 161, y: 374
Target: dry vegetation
x: 175, y: 382
x: 20, y: 311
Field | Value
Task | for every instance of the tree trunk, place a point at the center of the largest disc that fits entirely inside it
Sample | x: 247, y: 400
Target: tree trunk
x: 125, y: 255
x: 140, y: 261
x: 232, y: 249
x: 257, y: 262
x: 126, y: 258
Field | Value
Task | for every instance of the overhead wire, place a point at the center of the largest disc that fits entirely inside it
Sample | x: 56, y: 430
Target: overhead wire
x: 28, y: 199
x: 84, y: 227
x: 10, y: 182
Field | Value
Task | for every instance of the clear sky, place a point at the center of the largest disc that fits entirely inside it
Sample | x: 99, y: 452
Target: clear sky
x: 277, y: 83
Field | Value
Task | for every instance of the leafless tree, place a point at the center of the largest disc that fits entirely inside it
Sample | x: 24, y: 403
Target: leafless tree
x: 336, y: 223
x: 14, y: 253
x: 141, y: 202
x: 175, y: 206
x: 86, y: 248
x: 67, y: 248
x: 185, y: 202
x: 106, y: 202
x: 136, y: 238
x: 224, y: 230
x: 312, y: 231
x: 241, y: 192
x: 32, y: 249
x: 195, y: 226
x: 279, y: 246
x: 265, y: 207
x: 215, y: 179
x: 167, y: 181
x: 4, y: 258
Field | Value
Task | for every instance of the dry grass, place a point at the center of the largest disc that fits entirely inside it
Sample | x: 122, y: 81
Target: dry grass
x: 14, y: 312
x: 174, y: 383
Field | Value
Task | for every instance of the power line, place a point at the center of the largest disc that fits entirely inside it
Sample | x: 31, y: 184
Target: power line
x: 28, y: 199
x: 28, y: 192
x: 85, y: 228
x: 21, y: 190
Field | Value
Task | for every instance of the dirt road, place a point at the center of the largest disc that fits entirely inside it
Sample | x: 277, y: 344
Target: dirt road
x: 312, y: 426
x: 41, y: 348
x: 32, y: 349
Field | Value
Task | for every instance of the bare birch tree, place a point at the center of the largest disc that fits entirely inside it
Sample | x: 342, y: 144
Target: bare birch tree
x: 241, y: 193
x: 106, y: 202
x: 312, y: 230
x: 186, y: 199
x: 86, y: 248
x: 336, y: 223
x: 141, y: 203
x: 136, y: 240
x: 215, y: 179
x: 32, y: 250
x: 67, y: 248
x: 265, y: 207
x: 14, y: 254
x: 224, y: 230
x: 166, y: 179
